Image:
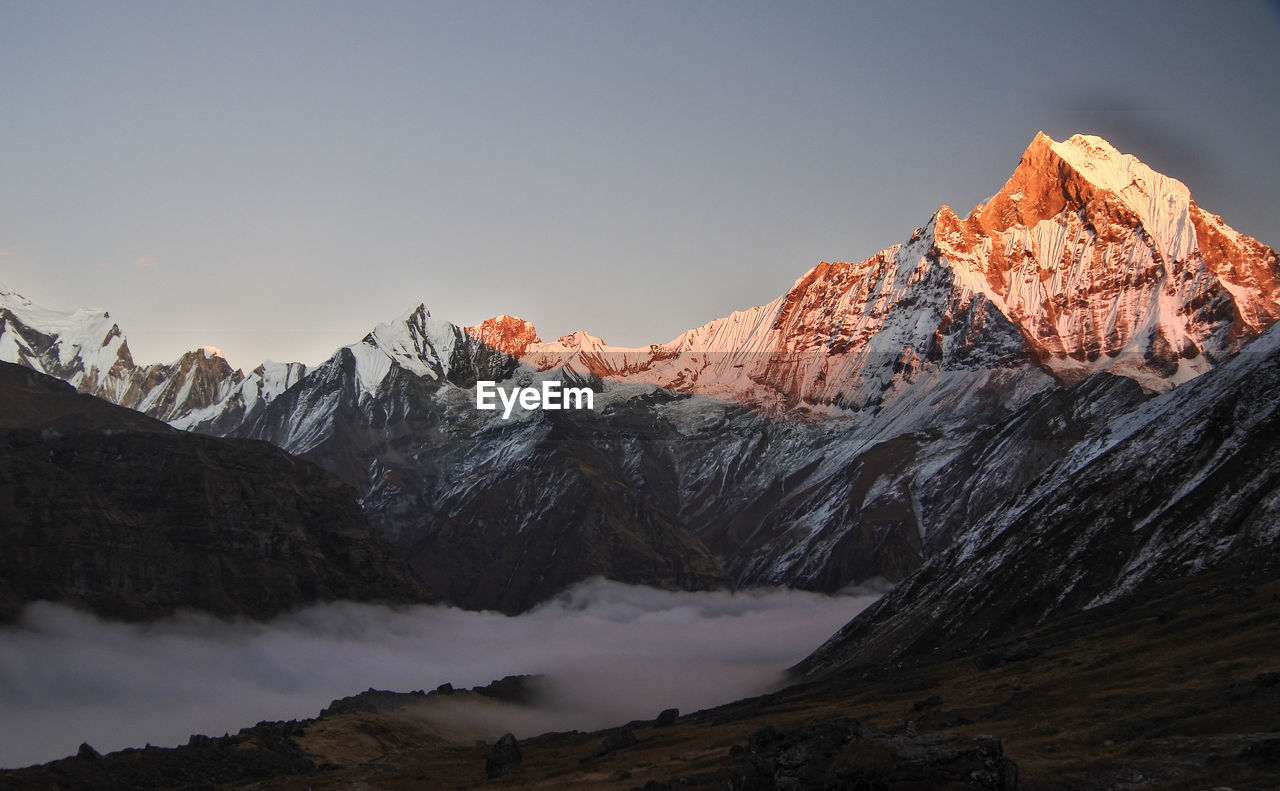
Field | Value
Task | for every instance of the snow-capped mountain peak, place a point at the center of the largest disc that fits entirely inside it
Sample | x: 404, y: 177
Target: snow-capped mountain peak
x: 86, y: 348
x: 82, y: 346
x: 1086, y: 258
x: 416, y: 341
x: 1106, y: 264
x: 1163, y: 203
x: 924, y: 380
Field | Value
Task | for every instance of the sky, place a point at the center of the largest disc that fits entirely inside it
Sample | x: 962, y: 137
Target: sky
x: 276, y: 178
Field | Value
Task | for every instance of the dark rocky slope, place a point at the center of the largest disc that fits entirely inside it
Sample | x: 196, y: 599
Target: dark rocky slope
x: 104, y: 507
x: 1185, y: 483
x: 563, y: 516
x: 491, y: 515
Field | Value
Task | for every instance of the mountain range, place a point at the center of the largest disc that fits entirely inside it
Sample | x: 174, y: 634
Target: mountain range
x: 848, y: 430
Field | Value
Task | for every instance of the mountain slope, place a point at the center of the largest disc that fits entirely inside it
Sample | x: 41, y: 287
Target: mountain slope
x: 1182, y: 484
x: 105, y: 507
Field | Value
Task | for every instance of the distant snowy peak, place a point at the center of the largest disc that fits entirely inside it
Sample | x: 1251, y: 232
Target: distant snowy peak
x: 586, y: 355
x: 416, y: 342
x: 87, y: 349
x: 510, y: 335
x: 1085, y: 260
x: 83, y: 346
x: 195, y: 381
x: 241, y: 397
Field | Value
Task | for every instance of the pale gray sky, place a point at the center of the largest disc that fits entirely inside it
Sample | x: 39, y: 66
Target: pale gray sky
x: 275, y: 178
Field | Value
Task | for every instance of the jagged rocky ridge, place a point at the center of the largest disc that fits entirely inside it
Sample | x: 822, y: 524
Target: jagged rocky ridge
x: 87, y: 349
x: 118, y: 512
x: 1093, y: 261
x: 849, y: 429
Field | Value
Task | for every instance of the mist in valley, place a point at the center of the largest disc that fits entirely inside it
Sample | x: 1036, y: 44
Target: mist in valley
x: 607, y: 653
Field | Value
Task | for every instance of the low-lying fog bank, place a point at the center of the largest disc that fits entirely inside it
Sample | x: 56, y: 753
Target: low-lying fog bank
x: 611, y: 653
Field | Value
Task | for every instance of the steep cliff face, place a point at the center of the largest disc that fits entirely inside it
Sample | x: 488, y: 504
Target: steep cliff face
x: 107, y: 508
